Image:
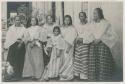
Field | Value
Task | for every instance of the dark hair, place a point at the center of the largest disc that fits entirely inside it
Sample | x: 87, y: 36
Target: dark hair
x: 29, y: 21
x: 57, y: 27
x: 68, y: 16
x: 48, y: 16
x: 83, y: 14
x: 100, y: 13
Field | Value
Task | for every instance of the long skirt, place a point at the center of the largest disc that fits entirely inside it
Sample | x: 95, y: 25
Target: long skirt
x: 81, y: 61
x: 66, y: 71
x: 53, y: 67
x: 34, y: 64
x: 101, y: 63
x: 16, y: 58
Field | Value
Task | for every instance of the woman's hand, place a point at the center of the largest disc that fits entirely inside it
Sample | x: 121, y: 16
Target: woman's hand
x: 18, y: 40
x: 5, y: 49
x: 80, y: 41
x: 68, y: 48
x: 19, y: 45
x: 96, y: 41
x: 48, y: 37
x: 58, y: 52
x: 67, y: 51
x: 49, y: 50
x: 31, y: 44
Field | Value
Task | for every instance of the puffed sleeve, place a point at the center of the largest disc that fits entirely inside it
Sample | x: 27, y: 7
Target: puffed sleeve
x: 109, y: 37
x: 10, y: 38
x: 70, y: 36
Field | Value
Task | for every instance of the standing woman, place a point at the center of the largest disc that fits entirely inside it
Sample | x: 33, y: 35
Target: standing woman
x: 34, y: 64
x: 69, y: 34
x: 83, y: 40
x: 49, y: 25
x: 101, y: 62
x: 43, y: 38
x: 15, y: 44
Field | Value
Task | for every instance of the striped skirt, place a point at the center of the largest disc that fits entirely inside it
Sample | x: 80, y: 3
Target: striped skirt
x: 81, y: 61
x: 101, y: 63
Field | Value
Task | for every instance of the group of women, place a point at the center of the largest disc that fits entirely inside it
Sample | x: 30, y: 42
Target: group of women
x: 65, y: 52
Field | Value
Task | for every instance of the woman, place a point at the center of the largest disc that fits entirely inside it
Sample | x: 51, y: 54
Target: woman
x: 43, y: 38
x: 83, y: 40
x: 15, y: 44
x: 69, y: 34
x: 34, y: 64
x: 101, y: 63
x: 49, y: 28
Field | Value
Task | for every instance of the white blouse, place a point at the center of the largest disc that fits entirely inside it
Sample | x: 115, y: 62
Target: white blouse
x: 69, y: 34
x: 49, y: 29
x: 84, y: 32
x: 13, y: 34
x: 34, y: 33
x: 104, y: 32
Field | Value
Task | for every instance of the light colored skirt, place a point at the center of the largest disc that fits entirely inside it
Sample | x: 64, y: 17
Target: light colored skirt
x: 66, y: 71
x: 34, y: 64
x: 53, y: 68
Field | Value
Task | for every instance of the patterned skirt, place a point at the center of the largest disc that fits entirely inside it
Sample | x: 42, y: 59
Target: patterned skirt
x: 101, y: 63
x: 81, y: 61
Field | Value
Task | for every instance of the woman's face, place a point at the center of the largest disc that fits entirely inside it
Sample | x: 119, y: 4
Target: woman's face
x: 95, y: 15
x: 49, y: 20
x: 67, y: 21
x: 56, y: 32
x: 82, y: 17
x: 33, y: 21
x: 17, y: 21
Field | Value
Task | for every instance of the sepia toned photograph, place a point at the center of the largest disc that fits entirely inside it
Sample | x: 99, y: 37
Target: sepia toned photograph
x: 62, y: 41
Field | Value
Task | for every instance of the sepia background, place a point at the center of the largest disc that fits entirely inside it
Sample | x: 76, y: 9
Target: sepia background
x: 113, y: 11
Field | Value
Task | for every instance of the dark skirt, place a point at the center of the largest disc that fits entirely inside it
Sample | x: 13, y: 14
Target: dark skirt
x: 101, y: 63
x: 81, y: 60
x: 16, y: 58
x: 45, y: 56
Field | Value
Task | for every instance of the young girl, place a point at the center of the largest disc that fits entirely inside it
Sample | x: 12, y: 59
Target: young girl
x: 34, y: 64
x: 57, y: 44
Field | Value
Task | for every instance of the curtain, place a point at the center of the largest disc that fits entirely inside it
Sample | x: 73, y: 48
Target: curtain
x: 43, y: 8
